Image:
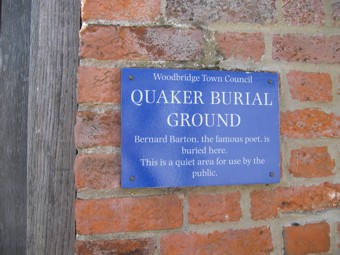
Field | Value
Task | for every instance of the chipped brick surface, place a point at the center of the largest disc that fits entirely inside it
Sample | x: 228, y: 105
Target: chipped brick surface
x: 97, y: 171
x: 336, y: 13
x: 311, y: 162
x: 315, y: 87
x: 98, y: 85
x: 301, y: 12
x: 97, y: 129
x: 269, y: 203
x: 305, y: 48
x: 194, y: 11
x: 244, y: 46
x: 309, y: 123
x: 140, y: 43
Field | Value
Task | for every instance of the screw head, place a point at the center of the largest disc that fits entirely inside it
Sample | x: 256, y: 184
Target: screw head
x: 271, y: 174
x: 270, y: 81
x: 132, y: 178
x: 131, y: 77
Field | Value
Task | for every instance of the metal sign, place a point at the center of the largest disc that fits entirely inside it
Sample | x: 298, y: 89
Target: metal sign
x: 185, y: 128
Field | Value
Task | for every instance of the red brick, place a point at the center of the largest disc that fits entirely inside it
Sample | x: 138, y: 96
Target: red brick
x: 97, y: 171
x: 128, y: 214
x: 269, y: 203
x: 336, y: 13
x: 241, y: 45
x: 316, y: 87
x: 303, y: 48
x: 307, y: 239
x: 247, y: 11
x: 94, y: 129
x: 214, y: 208
x: 253, y: 241
x: 140, y: 43
x: 100, y: 85
x: 118, y: 247
x: 121, y: 10
x: 312, y: 162
x: 302, y: 12
x: 309, y: 123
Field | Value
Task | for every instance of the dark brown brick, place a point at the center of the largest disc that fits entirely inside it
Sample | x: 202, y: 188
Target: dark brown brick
x: 116, y: 247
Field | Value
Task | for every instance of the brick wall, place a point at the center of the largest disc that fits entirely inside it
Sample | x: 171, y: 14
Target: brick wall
x: 298, y: 39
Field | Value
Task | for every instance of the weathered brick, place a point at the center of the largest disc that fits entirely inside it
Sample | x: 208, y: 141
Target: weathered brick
x: 100, y: 85
x: 140, y: 43
x: 316, y: 87
x: 303, y: 48
x: 242, y: 46
x: 246, y: 242
x: 311, y: 162
x: 301, y: 12
x: 116, y: 247
x: 246, y: 11
x: 309, y: 123
x: 94, y: 129
x: 336, y: 13
x: 269, y: 203
x: 214, y: 207
x: 121, y: 10
x: 128, y: 214
x: 97, y: 171
x: 307, y: 239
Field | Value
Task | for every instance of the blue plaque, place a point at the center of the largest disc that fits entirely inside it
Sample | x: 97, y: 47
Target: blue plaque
x: 184, y: 128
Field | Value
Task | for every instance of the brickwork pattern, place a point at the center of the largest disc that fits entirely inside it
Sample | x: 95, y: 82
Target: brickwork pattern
x: 300, y: 40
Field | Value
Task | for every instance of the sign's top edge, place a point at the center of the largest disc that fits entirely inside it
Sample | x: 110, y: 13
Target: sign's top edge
x: 200, y: 70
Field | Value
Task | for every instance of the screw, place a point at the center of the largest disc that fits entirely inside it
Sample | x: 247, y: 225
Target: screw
x: 271, y: 174
x: 131, y: 77
x: 270, y: 81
